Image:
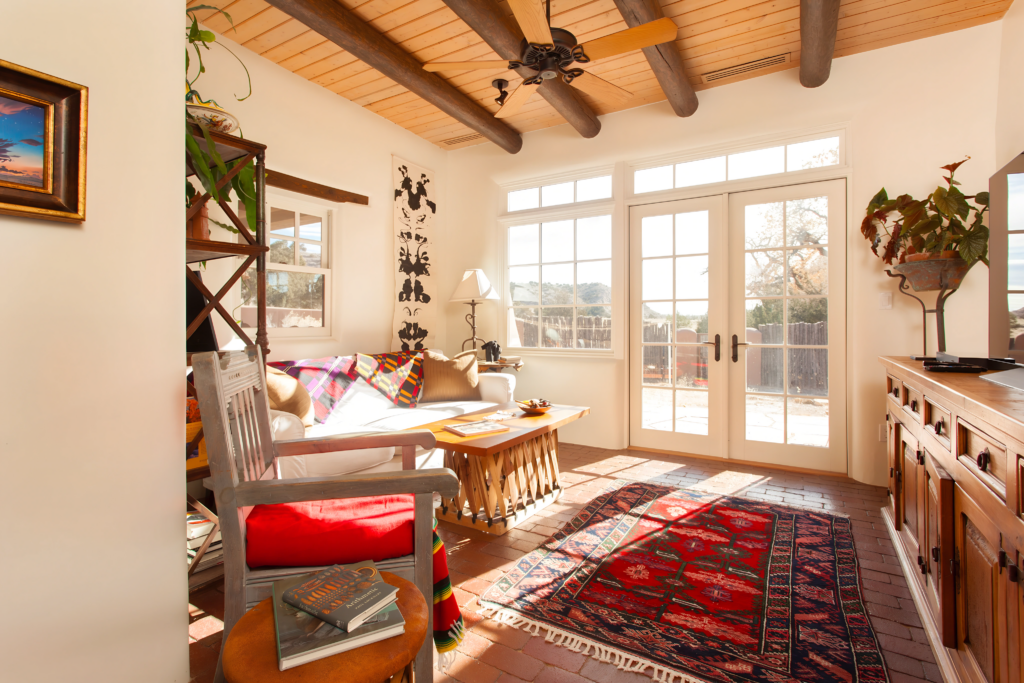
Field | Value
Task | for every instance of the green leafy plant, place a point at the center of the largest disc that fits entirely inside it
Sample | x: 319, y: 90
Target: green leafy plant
x: 947, y: 220
x: 208, y: 164
x: 200, y: 40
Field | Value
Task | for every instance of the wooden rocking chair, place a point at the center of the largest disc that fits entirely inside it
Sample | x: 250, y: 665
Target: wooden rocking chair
x: 243, y: 463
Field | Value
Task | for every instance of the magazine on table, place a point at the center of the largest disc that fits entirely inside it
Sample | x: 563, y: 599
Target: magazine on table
x: 476, y: 428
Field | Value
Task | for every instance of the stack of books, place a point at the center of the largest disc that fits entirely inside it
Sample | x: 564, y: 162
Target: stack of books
x: 339, y: 609
x: 197, y: 530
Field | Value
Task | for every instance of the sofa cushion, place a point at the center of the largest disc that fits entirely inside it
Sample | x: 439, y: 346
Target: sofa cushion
x: 398, y: 376
x: 450, y: 380
x: 326, y: 379
x: 335, y: 462
x: 329, y: 532
x: 285, y: 393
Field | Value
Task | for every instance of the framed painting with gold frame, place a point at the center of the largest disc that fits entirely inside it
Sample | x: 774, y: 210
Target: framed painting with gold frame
x: 43, y: 123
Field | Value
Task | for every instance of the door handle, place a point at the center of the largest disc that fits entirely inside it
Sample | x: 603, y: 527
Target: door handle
x: 736, y: 344
x: 718, y: 346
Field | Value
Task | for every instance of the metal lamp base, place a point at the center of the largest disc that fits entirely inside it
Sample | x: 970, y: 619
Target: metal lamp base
x: 471, y: 319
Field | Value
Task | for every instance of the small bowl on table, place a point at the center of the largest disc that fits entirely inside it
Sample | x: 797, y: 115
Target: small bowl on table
x: 531, y: 410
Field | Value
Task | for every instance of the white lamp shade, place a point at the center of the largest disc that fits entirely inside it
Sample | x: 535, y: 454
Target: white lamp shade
x: 474, y: 287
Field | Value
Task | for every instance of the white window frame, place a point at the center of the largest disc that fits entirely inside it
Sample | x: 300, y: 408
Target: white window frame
x: 748, y: 145
x: 597, y: 207
x: 326, y: 212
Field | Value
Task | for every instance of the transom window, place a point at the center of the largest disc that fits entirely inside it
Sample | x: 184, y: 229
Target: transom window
x: 772, y: 160
x: 569, y: 192
x: 560, y: 284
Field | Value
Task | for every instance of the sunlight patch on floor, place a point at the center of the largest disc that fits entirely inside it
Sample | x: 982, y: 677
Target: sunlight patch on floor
x: 728, y: 483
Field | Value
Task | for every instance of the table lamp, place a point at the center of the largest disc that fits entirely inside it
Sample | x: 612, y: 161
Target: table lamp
x: 474, y: 288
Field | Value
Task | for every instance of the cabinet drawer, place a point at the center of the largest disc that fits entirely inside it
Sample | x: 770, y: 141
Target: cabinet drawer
x: 937, y: 421
x: 913, y: 402
x: 894, y: 388
x: 982, y: 455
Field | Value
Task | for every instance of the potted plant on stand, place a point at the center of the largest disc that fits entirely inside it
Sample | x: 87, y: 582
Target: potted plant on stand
x: 203, y: 116
x: 933, y: 242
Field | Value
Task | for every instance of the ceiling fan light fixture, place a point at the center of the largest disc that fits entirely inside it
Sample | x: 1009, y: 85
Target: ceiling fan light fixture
x: 553, y: 60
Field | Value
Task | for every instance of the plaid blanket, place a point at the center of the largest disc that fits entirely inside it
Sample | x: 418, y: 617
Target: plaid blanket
x: 326, y: 380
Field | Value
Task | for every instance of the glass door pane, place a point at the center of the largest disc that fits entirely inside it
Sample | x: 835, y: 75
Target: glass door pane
x: 788, y: 306
x: 677, y: 295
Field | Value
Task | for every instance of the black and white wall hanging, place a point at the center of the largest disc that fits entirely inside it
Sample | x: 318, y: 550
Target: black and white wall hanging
x: 415, y: 223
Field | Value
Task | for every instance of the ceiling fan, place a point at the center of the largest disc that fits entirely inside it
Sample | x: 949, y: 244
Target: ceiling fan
x: 551, y: 52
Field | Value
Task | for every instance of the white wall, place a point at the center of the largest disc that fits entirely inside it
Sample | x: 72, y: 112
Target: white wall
x: 893, y: 143
x: 316, y: 135
x: 92, y: 492
x: 1010, y: 113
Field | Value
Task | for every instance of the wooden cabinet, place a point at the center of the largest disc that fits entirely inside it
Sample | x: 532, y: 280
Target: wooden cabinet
x: 937, y: 579
x: 981, y: 633
x: 955, y: 453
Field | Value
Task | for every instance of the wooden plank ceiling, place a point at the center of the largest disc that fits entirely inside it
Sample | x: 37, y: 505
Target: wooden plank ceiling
x: 713, y: 35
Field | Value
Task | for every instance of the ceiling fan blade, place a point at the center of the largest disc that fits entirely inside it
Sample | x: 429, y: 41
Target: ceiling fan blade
x: 463, y: 66
x: 601, y: 89
x: 645, y: 35
x: 516, y: 100
x: 533, y: 20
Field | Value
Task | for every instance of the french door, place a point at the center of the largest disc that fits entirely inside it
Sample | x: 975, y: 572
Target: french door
x: 759, y: 278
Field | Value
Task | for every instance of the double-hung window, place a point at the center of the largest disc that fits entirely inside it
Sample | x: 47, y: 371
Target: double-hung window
x: 298, y: 270
x: 559, y: 267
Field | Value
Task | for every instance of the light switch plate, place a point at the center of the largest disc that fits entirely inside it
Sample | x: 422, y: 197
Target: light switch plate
x: 885, y: 300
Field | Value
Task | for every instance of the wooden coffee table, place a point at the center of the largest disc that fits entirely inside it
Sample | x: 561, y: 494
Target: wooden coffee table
x: 504, y: 477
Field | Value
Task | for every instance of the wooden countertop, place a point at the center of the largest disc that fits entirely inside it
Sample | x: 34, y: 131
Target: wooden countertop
x: 1002, y: 406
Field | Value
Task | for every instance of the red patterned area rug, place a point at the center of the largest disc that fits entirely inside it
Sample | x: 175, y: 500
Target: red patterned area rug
x: 698, y: 587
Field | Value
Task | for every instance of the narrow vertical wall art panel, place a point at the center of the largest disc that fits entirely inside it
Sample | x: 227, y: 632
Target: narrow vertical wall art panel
x: 415, y: 291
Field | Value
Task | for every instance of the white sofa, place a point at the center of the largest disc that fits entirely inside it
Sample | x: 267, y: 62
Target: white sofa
x: 364, y: 409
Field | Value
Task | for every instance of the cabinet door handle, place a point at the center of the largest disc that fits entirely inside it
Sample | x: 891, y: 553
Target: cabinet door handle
x: 736, y: 344
x: 913, y: 406
x: 920, y: 457
x: 935, y: 554
x: 938, y: 427
x: 983, y: 460
x: 1012, y: 572
x: 896, y: 392
x: 890, y: 472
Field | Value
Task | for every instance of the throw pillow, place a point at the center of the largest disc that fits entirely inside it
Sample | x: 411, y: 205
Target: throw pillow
x: 399, y: 376
x: 450, y: 380
x: 326, y: 380
x: 285, y: 393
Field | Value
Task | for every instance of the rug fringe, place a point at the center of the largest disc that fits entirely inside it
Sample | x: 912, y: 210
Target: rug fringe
x: 584, y: 646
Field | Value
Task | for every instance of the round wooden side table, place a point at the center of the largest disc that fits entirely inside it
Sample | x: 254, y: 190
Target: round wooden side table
x: 250, y: 653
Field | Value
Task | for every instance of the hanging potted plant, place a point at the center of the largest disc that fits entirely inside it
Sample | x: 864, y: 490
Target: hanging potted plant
x: 932, y: 241
x: 207, y: 116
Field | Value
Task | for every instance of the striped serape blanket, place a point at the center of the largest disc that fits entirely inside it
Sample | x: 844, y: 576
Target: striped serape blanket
x: 449, y: 629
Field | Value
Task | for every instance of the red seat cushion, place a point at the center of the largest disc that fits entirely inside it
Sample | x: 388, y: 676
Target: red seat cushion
x: 330, y: 531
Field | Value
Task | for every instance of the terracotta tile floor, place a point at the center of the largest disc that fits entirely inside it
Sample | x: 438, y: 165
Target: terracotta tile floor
x: 495, y: 653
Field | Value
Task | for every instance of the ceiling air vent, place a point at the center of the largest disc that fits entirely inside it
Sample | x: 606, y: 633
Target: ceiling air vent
x: 741, y: 69
x: 464, y: 138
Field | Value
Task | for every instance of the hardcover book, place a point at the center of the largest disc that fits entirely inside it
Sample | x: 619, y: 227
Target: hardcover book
x: 302, y: 637
x: 343, y: 595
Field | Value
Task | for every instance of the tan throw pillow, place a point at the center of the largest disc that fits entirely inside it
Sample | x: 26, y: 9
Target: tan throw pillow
x: 285, y: 393
x: 450, y: 380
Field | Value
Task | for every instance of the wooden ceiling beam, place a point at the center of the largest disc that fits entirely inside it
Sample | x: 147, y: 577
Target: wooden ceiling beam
x: 339, y: 25
x: 819, y: 23
x: 664, y: 59
x: 504, y: 36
